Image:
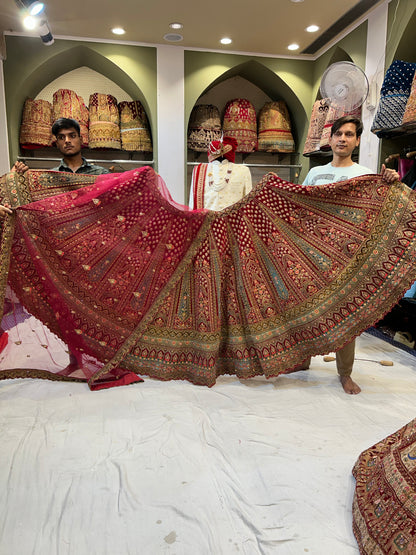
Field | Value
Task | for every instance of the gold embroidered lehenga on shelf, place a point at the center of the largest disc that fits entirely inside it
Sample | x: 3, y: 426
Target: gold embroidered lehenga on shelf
x: 135, y: 283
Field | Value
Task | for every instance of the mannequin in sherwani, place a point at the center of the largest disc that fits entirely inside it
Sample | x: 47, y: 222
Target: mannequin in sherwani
x: 221, y: 182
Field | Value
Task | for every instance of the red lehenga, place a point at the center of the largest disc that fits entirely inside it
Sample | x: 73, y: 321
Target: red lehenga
x: 136, y: 284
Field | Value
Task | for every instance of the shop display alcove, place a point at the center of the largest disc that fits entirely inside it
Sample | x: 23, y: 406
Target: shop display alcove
x: 84, y: 82
x: 232, y: 85
x: 125, y: 72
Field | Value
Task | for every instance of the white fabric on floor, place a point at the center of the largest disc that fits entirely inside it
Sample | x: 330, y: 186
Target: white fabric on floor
x: 254, y: 467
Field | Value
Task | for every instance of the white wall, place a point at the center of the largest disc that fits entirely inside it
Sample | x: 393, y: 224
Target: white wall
x: 374, y: 69
x: 170, y: 119
x: 4, y: 142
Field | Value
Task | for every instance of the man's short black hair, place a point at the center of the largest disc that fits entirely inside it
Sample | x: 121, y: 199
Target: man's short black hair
x: 348, y: 119
x: 65, y: 123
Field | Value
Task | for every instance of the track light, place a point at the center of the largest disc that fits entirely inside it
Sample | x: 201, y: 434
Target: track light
x: 33, y: 7
x: 45, y: 33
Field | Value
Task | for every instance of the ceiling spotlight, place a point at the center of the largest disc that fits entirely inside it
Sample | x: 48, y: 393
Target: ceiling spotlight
x: 312, y: 28
x: 175, y: 25
x: 118, y: 30
x: 226, y: 40
x: 30, y: 23
x: 295, y: 1
x: 34, y: 7
x: 293, y: 46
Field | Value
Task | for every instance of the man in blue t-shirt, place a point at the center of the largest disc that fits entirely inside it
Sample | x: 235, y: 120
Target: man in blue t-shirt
x: 345, y: 137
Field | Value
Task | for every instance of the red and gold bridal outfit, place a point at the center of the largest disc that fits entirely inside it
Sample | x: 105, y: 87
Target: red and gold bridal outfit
x: 133, y: 282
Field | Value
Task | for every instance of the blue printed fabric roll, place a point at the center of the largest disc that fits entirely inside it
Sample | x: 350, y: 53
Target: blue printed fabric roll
x: 394, y: 94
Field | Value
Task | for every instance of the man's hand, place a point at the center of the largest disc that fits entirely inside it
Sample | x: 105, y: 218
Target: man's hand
x: 19, y: 167
x: 388, y: 175
x: 4, y: 210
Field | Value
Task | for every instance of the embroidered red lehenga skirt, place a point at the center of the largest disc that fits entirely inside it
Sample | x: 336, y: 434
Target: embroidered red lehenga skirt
x: 136, y: 284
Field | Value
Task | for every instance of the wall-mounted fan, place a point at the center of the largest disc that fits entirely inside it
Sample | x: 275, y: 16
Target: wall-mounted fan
x: 346, y: 85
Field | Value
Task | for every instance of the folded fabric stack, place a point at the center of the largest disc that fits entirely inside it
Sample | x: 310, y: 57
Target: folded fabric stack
x: 395, y: 92
x: 204, y: 127
x: 35, y: 130
x: 104, y: 122
x: 134, y: 127
x: 275, y: 133
x: 67, y: 104
x: 240, y: 122
x: 316, y: 126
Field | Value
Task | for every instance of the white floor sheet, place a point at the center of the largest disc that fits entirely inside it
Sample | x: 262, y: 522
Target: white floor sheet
x: 246, y: 467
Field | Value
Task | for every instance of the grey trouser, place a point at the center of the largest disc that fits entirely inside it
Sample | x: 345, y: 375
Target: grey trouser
x: 344, y: 358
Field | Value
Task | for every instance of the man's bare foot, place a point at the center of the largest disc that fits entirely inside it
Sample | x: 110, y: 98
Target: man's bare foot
x: 349, y: 385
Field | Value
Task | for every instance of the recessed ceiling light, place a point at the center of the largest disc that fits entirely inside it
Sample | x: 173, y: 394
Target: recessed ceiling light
x: 293, y: 46
x: 118, y: 31
x: 226, y: 40
x: 175, y: 25
x: 295, y: 1
x: 312, y: 28
x: 173, y: 37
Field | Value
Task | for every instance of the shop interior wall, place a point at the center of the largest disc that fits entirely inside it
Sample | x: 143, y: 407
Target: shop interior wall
x: 30, y: 66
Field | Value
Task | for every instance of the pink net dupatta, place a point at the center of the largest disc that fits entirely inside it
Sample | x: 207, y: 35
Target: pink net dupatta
x: 89, y: 264
x: 133, y: 282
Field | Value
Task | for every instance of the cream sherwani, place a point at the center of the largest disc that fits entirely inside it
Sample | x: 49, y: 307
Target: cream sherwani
x: 223, y: 183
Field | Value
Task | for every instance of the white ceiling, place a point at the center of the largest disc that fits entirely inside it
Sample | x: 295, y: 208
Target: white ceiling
x: 260, y: 26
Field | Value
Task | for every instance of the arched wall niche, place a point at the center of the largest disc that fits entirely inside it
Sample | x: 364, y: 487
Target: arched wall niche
x: 273, y: 87
x: 401, y: 32
x: 29, y: 74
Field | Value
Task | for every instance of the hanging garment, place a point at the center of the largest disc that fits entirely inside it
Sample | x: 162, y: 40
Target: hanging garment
x: 133, y: 282
x: 395, y: 92
x: 67, y: 104
x: 219, y: 184
x: 240, y: 122
x: 104, y: 122
x: 35, y: 130
x: 333, y: 114
x: 316, y: 126
x: 204, y: 127
x: 134, y: 127
x: 275, y: 134
x: 409, y: 116
x: 384, y: 509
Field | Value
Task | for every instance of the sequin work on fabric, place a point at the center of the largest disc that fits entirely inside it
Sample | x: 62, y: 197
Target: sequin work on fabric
x: 316, y: 125
x: 104, y: 122
x: 122, y: 274
x: 240, y: 122
x: 275, y: 134
x: 384, y: 506
x: 134, y: 127
x: 35, y: 130
x: 204, y: 127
